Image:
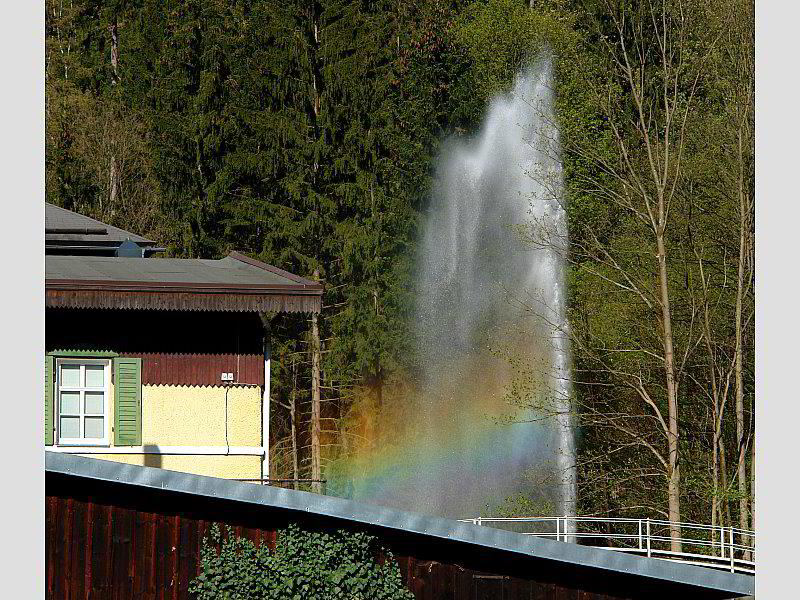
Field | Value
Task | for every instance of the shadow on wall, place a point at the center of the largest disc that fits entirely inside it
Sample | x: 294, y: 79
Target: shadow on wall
x: 151, y: 459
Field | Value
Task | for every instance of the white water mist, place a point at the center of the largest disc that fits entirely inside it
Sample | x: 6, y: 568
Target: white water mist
x: 478, y: 276
x: 483, y: 288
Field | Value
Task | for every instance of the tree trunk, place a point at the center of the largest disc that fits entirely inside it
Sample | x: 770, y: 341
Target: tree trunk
x: 378, y: 374
x: 293, y: 414
x: 112, y: 29
x: 316, y: 106
x: 673, y: 473
x: 716, y: 409
x: 725, y: 517
x: 715, y: 480
x: 753, y: 489
x: 113, y: 169
x: 316, y: 470
x: 740, y: 433
x: 113, y: 184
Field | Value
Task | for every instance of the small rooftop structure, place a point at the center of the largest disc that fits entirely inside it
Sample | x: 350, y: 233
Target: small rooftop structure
x: 90, y: 264
x: 67, y: 232
x: 458, y: 559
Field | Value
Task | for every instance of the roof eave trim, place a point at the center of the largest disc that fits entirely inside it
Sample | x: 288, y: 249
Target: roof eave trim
x: 176, y: 286
x: 253, y: 301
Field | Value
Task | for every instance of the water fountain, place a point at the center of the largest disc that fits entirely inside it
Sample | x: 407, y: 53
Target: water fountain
x: 487, y: 295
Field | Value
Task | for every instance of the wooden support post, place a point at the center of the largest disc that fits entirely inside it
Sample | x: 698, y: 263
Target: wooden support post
x: 316, y: 467
x: 266, y: 319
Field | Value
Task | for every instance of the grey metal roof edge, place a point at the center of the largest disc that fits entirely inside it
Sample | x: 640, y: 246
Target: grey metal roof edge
x: 368, y: 514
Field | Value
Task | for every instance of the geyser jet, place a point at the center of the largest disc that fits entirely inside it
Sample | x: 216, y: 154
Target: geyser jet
x: 486, y: 294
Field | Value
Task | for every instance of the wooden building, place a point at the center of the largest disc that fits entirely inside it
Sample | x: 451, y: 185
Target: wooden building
x: 159, y: 361
x: 124, y: 531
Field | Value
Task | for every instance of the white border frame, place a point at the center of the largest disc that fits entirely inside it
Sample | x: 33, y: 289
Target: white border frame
x: 84, y: 442
x: 164, y: 450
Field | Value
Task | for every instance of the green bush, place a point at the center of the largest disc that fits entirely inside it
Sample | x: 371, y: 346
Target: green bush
x: 304, y: 565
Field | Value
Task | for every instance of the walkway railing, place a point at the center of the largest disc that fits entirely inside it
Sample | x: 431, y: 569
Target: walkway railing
x: 728, y: 548
x: 305, y: 485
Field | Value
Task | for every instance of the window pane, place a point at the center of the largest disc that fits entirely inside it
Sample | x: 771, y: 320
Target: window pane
x: 93, y: 402
x: 70, y: 375
x: 95, y: 376
x: 70, y: 427
x: 70, y: 403
x: 93, y: 427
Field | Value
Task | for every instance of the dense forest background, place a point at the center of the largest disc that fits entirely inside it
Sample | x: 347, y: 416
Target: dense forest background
x: 305, y: 133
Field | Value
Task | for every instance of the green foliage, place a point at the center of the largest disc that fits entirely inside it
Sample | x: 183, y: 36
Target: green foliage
x: 305, y: 134
x: 521, y: 505
x: 501, y: 36
x: 305, y: 565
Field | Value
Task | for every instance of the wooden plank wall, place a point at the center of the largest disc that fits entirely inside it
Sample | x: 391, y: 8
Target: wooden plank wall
x: 96, y: 550
x: 161, y: 368
x: 121, y: 542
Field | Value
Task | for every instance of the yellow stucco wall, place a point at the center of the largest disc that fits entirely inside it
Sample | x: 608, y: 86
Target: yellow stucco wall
x: 196, y: 416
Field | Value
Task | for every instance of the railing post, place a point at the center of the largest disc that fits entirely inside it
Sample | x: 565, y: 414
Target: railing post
x: 479, y: 520
x: 558, y: 529
x: 733, y: 563
x: 640, y: 534
x: 648, y: 537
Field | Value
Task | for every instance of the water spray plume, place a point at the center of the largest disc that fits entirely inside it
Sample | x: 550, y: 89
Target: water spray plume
x: 491, y: 288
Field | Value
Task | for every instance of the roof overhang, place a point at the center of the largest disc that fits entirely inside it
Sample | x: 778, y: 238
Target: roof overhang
x: 296, y: 295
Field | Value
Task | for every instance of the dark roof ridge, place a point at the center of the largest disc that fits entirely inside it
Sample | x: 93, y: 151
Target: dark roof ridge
x: 86, y: 230
x: 272, y: 269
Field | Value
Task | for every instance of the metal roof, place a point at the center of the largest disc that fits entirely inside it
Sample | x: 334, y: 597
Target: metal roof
x: 65, y: 228
x: 228, y: 271
x: 377, y: 516
x: 235, y: 282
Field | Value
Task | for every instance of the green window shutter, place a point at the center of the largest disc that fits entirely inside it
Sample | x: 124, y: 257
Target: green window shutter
x: 127, y: 401
x: 49, y: 404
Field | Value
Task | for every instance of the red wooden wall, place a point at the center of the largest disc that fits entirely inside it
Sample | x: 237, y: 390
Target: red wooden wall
x: 161, y: 368
x: 97, y: 550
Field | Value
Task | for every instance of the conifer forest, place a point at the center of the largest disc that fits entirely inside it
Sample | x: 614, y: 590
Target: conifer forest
x: 305, y: 133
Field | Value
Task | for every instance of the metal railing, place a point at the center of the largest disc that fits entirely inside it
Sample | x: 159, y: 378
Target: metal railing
x: 728, y: 548
x: 300, y: 484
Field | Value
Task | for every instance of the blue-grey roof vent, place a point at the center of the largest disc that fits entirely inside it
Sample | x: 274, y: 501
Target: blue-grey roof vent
x: 129, y: 249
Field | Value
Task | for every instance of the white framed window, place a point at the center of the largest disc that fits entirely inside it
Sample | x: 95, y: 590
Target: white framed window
x: 82, y: 401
